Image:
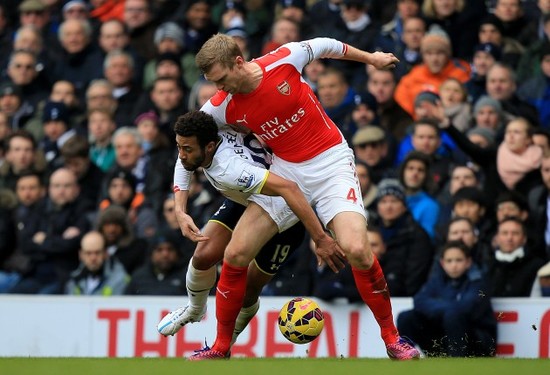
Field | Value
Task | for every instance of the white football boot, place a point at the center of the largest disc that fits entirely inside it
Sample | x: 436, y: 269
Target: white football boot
x: 175, y: 320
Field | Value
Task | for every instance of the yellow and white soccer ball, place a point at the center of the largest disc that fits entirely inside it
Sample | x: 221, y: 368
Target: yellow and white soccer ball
x: 301, y: 320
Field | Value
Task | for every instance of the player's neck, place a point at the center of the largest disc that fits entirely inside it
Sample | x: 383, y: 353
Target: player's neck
x: 253, y: 77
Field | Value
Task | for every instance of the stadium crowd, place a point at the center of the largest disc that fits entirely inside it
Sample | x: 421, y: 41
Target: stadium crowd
x: 452, y: 147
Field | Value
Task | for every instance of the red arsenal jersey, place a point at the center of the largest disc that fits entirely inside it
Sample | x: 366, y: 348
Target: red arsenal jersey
x: 283, y: 110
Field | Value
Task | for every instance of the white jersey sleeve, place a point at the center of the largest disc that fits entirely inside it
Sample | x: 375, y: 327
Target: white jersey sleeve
x: 182, y: 177
x: 318, y: 48
x: 238, y: 169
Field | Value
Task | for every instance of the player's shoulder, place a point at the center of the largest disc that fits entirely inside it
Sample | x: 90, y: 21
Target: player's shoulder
x: 219, y: 98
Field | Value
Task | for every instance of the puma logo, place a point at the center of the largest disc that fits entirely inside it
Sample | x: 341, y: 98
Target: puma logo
x: 224, y: 294
x: 242, y: 121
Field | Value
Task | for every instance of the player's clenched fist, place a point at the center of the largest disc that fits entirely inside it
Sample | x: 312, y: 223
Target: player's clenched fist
x: 383, y: 60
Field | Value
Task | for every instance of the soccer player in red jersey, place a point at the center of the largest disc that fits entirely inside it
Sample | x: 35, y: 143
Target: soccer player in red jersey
x: 269, y: 97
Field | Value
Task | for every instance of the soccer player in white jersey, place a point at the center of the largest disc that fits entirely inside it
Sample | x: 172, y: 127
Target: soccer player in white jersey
x: 236, y: 165
x: 269, y: 97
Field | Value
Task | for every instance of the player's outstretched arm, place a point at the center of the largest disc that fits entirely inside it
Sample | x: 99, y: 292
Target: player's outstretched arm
x: 187, y: 225
x: 328, y: 249
x: 380, y: 60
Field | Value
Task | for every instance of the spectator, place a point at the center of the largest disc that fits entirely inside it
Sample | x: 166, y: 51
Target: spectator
x: 541, y: 138
x: 369, y: 190
x: 113, y: 223
x: 538, y: 207
x: 437, y: 65
x: 528, y: 66
x: 62, y: 91
x: 21, y: 155
x: 426, y: 138
x: 98, y: 274
x: 502, y: 86
x: 100, y: 95
x: 459, y: 19
x: 57, y: 131
x: 391, y: 36
x: 23, y: 71
x: 164, y: 273
x: 409, y: 251
x: 167, y: 98
x: 461, y: 175
x: 356, y: 27
x: 82, y: 62
x: 121, y: 191
x: 491, y: 31
x: 541, y: 286
x: 393, y: 118
x: 52, y: 236
x: 510, y: 13
x: 534, y: 91
x: 201, y: 91
x: 337, y: 98
x: 118, y: 69
x: 76, y: 157
x: 29, y: 191
x: 414, y: 175
x: 450, y: 316
x: 101, y: 127
x: 454, y: 99
x: 12, y: 104
x: 153, y: 171
x: 513, y: 268
x: 370, y: 147
x: 169, y: 38
x: 463, y: 229
x: 513, y: 165
x: 139, y: 19
x: 283, y: 31
x: 488, y: 114
x: 485, y: 55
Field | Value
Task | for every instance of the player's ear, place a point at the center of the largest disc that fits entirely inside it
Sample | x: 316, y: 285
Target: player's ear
x: 211, y: 146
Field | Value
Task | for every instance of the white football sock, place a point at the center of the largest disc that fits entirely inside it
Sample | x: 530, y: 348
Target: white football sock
x: 198, y: 284
x: 245, y: 316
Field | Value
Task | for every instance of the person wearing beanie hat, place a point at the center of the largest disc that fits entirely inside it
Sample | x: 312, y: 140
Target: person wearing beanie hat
x: 391, y: 186
x: 169, y: 31
x: 426, y: 96
x: 115, y: 225
x: 409, y: 252
x: 365, y: 111
x: 437, y: 65
x: 121, y: 187
x: 488, y: 113
x: 485, y: 55
x: 483, y: 137
x: 164, y: 273
x: 57, y: 130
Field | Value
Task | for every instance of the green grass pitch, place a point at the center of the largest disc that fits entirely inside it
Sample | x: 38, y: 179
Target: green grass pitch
x: 268, y: 366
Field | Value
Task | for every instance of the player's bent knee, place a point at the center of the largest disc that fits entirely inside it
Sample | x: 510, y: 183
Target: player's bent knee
x: 206, y: 256
x: 360, y: 257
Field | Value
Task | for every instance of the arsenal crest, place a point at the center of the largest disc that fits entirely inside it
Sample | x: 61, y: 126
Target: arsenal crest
x: 284, y: 88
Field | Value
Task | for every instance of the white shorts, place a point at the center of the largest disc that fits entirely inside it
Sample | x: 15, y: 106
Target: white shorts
x: 278, y: 210
x: 329, y: 181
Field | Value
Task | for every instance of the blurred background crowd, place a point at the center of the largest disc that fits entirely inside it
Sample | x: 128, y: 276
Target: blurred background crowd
x: 452, y: 145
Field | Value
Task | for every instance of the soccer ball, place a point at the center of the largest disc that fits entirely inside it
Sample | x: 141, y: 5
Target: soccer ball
x: 301, y: 320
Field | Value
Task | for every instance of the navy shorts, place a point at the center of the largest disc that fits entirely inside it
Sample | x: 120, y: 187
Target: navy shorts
x: 274, y: 254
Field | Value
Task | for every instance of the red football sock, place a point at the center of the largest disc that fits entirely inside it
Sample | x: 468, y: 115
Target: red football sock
x: 374, y: 292
x: 229, y: 300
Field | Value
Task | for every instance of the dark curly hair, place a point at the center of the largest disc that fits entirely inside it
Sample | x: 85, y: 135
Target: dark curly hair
x: 198, y: 124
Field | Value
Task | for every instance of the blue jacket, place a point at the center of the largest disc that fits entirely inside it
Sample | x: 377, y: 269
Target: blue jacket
x: 425, y: 211
x: 468, y: 294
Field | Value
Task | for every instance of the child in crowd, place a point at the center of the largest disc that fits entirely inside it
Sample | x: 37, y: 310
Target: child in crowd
x: 452, y: 316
